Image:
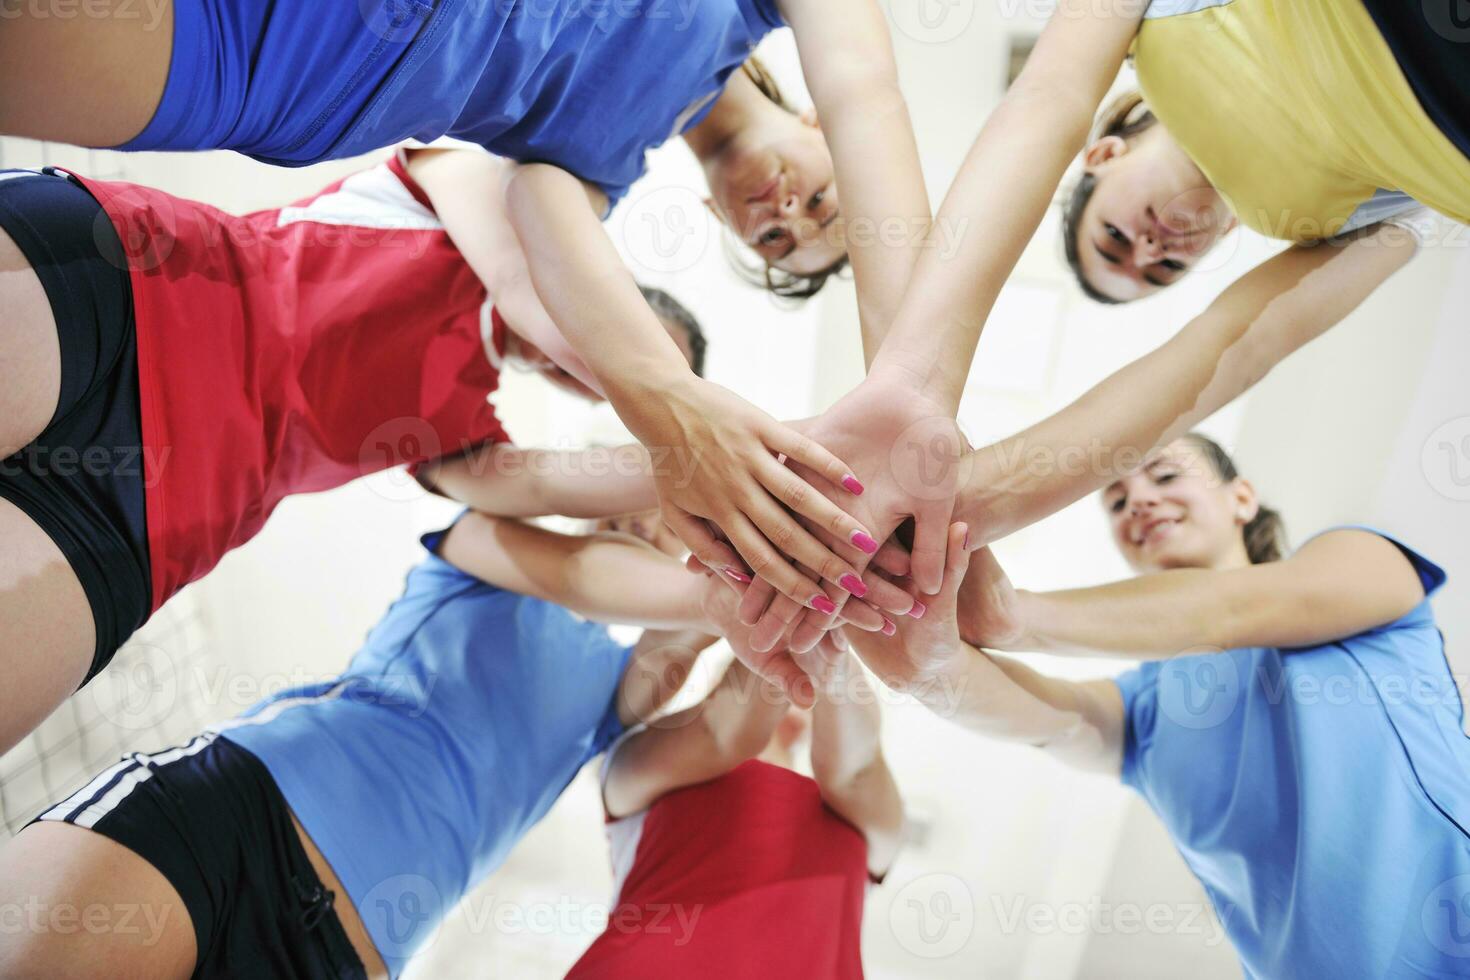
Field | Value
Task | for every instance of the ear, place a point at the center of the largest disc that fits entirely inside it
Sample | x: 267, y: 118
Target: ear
x: 1106, y: 149
x: 1247, y: 504
x: 808, y: 117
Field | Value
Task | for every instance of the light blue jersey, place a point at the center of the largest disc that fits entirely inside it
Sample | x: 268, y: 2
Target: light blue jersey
x: 1321, y: 795
x: 450, y: 734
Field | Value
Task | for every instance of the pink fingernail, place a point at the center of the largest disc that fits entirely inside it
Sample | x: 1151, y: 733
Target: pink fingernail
x: 853, y: 584
x: 851, y: 485
x: 824, y: 605
x: 919, y: 610
x: 888, y: 628
x: 740, y: 577
x: 864, y: 543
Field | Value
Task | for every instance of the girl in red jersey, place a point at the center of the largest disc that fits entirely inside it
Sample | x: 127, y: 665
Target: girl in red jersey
x: 716, y: 840
x: 198, y: 367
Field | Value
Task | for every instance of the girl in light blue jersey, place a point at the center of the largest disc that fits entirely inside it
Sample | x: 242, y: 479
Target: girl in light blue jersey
x: 1295, y: 725
x: 328, y: 830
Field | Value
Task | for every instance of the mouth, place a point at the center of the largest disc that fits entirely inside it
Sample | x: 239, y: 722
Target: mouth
x: 1155, y: 531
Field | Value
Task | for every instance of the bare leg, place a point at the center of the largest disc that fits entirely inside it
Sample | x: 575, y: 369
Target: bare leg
x: 74, y: 905
x: 90, y: 74
x: 46, y: 631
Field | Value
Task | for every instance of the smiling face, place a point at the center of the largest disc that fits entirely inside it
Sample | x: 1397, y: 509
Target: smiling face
x: 772, y: 185
x: 1176, y: 512
x: 1152, y: 216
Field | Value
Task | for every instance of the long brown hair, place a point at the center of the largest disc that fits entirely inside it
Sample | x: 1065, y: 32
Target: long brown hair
x: 787, y: 285
x: 1265, y: 535
x: 1126, y: 116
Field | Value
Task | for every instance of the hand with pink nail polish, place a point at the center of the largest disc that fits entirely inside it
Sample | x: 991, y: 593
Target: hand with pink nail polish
x: 722, y: 491
x: 907, y: 450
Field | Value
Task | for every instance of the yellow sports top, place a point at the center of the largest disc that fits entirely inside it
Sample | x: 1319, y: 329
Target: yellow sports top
x: 1297, y: 112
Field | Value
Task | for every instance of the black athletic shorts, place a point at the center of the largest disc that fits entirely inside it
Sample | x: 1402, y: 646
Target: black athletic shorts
x: 82, y: 479
x: 211, y: 819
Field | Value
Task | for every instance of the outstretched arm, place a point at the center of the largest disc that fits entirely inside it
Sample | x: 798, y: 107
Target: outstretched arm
x: 1336, y: 585
x: 692, y: 746
x: 1265, y: 316
x: 467, y: 189
x: 610, y: 579
x: 1080, y: 723
x: 848, y: 64
x: 506, y: 481
x: 848, y: 763
x: 734, y: 479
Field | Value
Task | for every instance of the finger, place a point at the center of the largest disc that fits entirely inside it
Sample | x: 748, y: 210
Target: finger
x: 888, y: 597
x: 834, y: 643
x: 893, y: 558
x: 801, y: 498
x: 771, y: 630
x: 799, y: 544
x: 957, y: 561
x: 930, y: 529
x: 781, y: 669
x: 800, y: 449
x: 770, y: 565
x: 701, y: 541
x: 758, y: 599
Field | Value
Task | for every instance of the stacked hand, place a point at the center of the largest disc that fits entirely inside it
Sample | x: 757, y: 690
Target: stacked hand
x: 908, y: 450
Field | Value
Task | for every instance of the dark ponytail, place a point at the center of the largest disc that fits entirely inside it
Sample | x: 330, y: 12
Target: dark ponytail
x: 1265, y: 535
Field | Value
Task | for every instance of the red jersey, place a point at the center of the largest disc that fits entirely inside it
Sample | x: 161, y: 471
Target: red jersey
x: 294, y: 350
x: 748, y: 875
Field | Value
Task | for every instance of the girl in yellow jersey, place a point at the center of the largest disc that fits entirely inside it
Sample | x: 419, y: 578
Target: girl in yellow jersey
x: 1316, y: 121
x: 1304, y: 121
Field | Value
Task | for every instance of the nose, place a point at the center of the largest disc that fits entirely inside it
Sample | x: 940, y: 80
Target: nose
x: 1147, y: 249
x: 1142, y: 500
x: 788, y: 204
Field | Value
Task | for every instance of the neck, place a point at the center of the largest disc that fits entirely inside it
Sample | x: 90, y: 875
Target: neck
x: 734, y: 111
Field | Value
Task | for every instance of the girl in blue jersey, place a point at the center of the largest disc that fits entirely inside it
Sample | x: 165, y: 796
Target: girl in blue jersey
x: 328, y: 830
x: 578, y: 89
x: 1295, y: 725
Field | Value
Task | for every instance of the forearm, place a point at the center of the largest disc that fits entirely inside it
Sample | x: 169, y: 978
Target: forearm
x: 1079, y: 723
x: 848, y: 63
x: 661, y: 662
x: 510, y: 482
x: 587, y: 290
x: 606, y: 579
x: 1257, y: 322
x: 1012, y: 170
x: 1001, y: 193
x: 846, y: 724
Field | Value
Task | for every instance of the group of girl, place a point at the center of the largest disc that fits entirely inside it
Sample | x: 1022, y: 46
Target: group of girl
x: 175, y: 372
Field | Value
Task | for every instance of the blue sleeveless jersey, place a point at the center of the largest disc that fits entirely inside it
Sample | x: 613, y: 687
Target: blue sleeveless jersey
x: 451, y: 733
x: 588, y: 85
x: 1321, y: 795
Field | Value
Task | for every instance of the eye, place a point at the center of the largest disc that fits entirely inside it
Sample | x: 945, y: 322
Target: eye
x: 1173, y: 264
x: 1115, y: 234
x: 1116, y: 506
x: 816, y: 200
x: 1164, y: 477
x: 772, y: 236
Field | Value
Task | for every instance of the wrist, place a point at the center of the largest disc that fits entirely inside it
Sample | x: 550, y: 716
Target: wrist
x: 643, y: 390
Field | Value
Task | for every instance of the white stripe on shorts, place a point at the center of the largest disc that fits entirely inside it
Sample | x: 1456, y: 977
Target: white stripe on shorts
x: 138, y: 768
